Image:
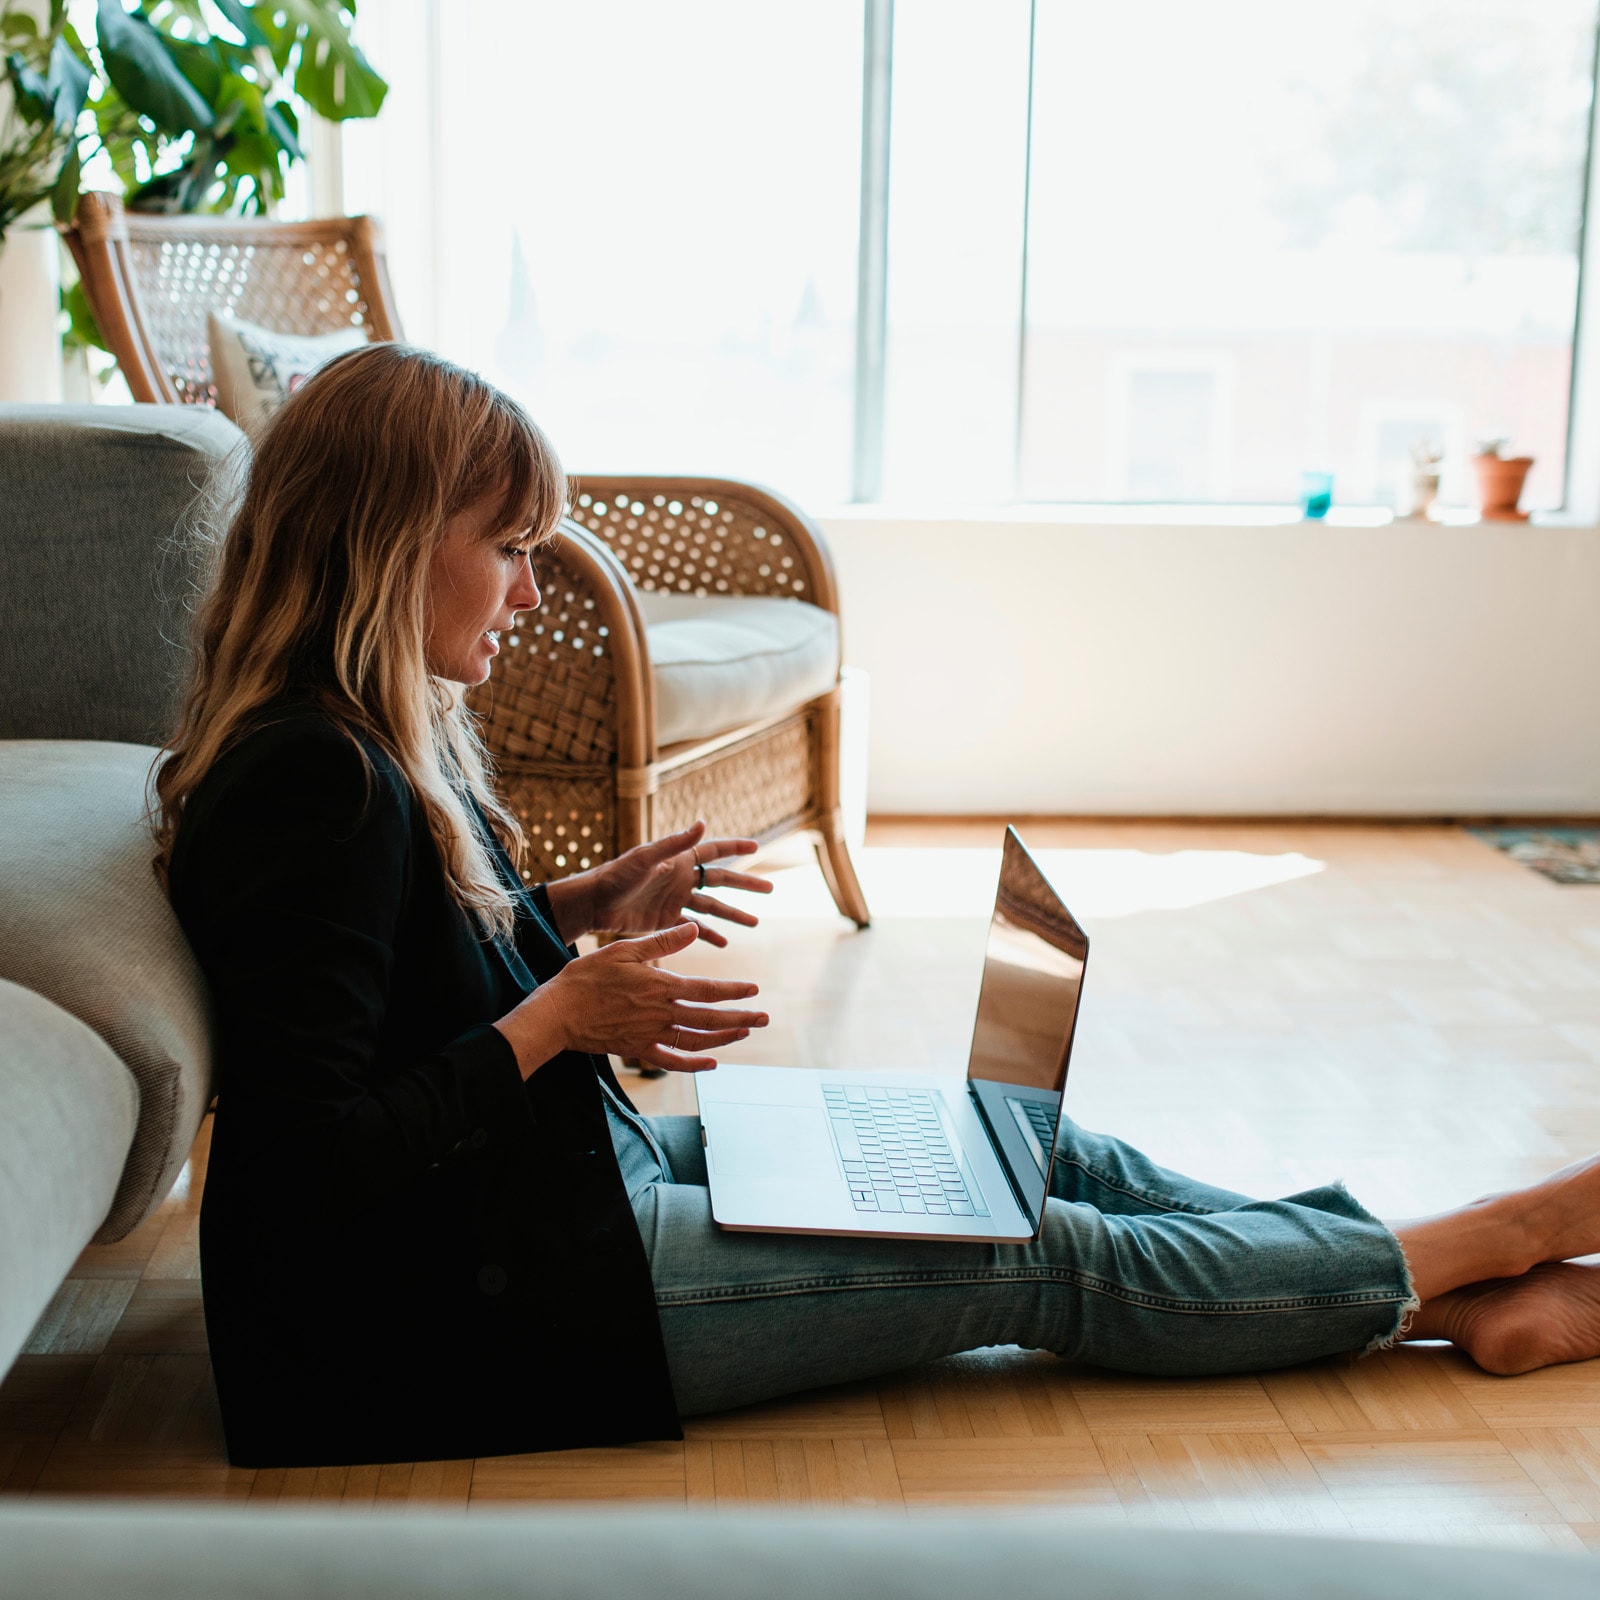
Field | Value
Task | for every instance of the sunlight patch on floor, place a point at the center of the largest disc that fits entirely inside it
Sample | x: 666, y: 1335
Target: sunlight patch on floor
x: 1095, y: 884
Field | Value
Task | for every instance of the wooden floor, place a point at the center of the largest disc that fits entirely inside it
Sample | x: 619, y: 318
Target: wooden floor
x: 1268, y: 1007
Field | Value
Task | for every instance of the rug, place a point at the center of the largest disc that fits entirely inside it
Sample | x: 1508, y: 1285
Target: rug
x: 1564, y: 855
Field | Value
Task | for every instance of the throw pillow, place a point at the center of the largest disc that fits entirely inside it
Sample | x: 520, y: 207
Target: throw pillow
x: 256, y: 370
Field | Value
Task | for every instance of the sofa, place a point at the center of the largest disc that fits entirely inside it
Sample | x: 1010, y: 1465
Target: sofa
x: 105, y: 1064
x: 83, y: 1552
x: 105, y: 1073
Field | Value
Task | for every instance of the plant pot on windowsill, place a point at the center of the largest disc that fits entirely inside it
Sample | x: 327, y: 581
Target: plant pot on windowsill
x: 1500, y: 481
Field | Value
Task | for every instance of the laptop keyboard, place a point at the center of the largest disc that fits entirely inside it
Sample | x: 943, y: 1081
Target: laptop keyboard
x: 1037, y: 1124
x: 895, y: 1153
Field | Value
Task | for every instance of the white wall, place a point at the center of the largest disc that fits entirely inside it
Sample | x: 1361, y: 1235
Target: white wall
x: 1035, y: 666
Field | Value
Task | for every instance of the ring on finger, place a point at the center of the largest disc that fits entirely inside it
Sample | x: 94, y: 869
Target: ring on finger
x: 699, y: 874
x: 675, y: 1044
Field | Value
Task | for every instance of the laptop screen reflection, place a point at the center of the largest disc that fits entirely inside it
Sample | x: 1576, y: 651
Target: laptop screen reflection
x: 1027, y: 1010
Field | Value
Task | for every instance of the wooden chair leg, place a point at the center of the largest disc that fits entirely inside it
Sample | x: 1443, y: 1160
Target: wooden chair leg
x: 833, y: 856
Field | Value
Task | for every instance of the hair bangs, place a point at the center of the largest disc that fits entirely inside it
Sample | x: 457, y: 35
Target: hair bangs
x: 511, y: 459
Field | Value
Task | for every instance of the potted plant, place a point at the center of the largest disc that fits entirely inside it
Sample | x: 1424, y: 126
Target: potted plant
x: 48, y: 85
x: 1500, y: 480
x: 1423, y: 490
x: 45, y: 89
x: 190, y: 106
x: 194, y: 106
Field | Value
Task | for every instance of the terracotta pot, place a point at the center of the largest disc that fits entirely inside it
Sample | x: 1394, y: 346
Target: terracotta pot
x: 1500, y: 480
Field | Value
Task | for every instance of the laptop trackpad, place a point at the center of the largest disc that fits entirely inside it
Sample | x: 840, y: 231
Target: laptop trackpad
x: 782, y: 1142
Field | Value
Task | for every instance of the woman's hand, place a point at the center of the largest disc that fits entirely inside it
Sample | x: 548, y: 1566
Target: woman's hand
x: 652, y: 886
x: 615, y: 1002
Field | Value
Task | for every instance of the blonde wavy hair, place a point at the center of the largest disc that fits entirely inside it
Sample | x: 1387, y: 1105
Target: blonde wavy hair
x: 318, y: 586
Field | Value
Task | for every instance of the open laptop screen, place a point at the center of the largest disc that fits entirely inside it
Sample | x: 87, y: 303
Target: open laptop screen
x: 1027, y: 1010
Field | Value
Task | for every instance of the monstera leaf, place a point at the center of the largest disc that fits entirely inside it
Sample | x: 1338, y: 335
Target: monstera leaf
x: 143, y: 71
x: 190, y: 119
x: 332, y: 76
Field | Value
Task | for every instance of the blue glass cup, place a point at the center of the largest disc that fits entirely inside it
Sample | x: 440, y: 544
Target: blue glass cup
x: 1316, y: 495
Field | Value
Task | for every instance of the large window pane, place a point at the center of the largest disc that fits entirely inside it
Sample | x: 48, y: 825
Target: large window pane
x: 644, y: 226
x: 1268, y: 237
x: 958, y: 158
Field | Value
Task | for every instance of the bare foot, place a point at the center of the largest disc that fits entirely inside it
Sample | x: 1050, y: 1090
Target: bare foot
x: 1564, y: 1210
x: 1549, y: 1315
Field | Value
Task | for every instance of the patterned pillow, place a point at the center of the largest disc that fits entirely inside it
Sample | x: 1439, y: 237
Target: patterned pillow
x: 256, y: 370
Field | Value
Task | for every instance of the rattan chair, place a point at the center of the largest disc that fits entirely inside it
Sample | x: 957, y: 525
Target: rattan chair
x: 570, y: 713
x: 151, y: 280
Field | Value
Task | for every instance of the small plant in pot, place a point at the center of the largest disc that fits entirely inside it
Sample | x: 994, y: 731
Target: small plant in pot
x: 1500, y: 480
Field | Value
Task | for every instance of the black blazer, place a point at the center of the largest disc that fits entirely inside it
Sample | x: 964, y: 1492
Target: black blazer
x: 406, y: 1252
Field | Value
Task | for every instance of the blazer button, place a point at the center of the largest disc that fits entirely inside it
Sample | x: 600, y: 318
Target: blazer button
x: 492, y: 1278
x: 479, y: 1139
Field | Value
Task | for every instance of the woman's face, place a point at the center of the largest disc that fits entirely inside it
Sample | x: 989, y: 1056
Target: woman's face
x: 479, y: 578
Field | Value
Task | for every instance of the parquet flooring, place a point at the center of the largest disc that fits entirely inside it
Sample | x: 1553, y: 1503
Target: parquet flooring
x: 1268, y: 1006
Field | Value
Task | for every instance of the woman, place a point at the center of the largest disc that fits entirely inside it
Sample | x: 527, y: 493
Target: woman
x: 433, y: 1223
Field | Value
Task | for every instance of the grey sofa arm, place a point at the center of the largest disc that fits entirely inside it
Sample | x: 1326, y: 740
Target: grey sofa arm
x: 93, y: 589
x: 62, y: 1551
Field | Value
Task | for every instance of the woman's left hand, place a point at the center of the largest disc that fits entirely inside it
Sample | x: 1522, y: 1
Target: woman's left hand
x: 654, y: 886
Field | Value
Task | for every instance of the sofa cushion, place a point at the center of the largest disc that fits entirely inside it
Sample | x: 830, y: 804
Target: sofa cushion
x: 94, y: 585
x: 84, y: 921
x: 722, y: 660
x: 67, y: 1111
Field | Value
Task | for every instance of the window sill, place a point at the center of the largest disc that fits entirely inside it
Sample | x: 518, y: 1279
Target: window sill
x: 1170, y: 516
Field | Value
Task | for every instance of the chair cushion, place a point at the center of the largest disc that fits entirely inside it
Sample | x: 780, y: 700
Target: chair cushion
x: 722, y: 660
x: 84, y: 921
x: 256, y: 370
x: 67, y: 1110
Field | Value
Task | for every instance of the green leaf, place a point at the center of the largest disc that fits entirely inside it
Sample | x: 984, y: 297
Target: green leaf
x: 31, y: 90
x: 69, y: 80
x: 64, y: 196
x: 145, y: 74
x: 281, y: 124
x: 254, y: 156
x: 244, y: 20
x: 239, y: 108
x: 163, y: 14
x: 84, y: 330
x: 182, y: 190
x: 76, y: 45
x: 201, y: 64
x: 18, y: 25
x: 332, y: 76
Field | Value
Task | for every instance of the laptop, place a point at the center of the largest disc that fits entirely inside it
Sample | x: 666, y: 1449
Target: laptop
x: 909, y: 1156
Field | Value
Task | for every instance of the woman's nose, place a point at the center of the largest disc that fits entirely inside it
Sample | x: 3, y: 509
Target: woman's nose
x: 525, y: 592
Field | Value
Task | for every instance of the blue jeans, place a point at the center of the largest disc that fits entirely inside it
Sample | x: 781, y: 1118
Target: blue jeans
x: 1136, y: 1269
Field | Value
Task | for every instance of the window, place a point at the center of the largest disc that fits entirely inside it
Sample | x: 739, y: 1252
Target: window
x: 1144, y: 252
x: 1359, y: 199
x: 643, y: 222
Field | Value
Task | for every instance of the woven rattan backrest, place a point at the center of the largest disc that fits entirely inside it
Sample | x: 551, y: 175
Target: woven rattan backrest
x: 707, y: 536
x: 152, y: 280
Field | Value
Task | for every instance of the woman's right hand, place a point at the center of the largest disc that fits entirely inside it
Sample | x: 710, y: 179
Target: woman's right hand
x: 613, y: 1001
